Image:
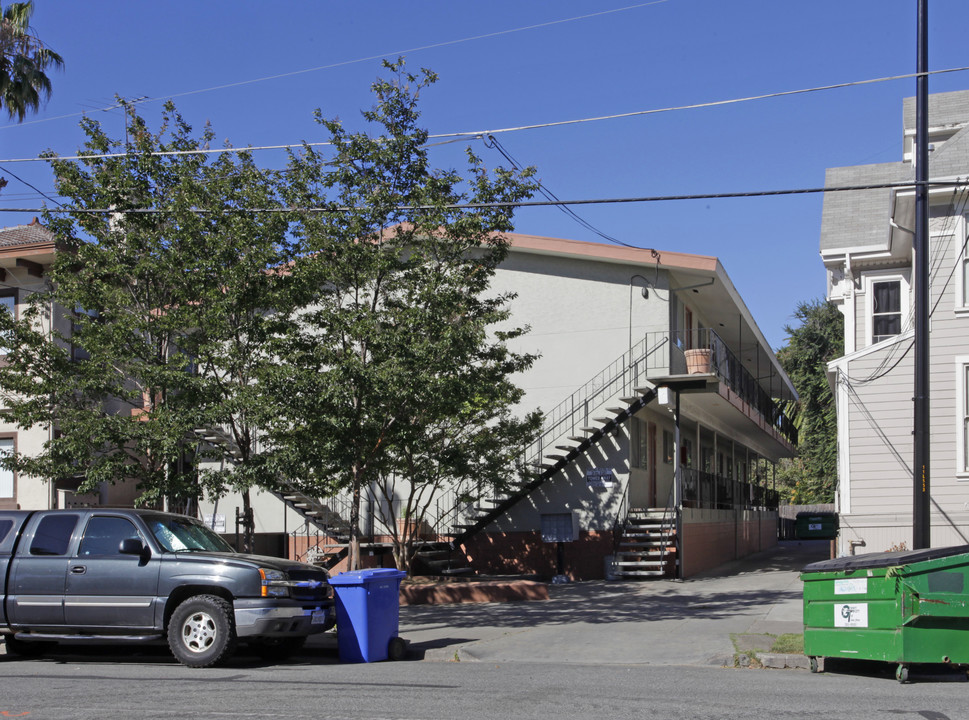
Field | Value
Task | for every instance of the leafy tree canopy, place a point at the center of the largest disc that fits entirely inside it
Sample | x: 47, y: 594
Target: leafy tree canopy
x: 811, y: 345
x: 396, y: 366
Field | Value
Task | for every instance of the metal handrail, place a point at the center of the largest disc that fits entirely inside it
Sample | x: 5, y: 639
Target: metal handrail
x: 575, y: 412
x: 703, y: 490
x: 725, y: 364
x: 621, y: 519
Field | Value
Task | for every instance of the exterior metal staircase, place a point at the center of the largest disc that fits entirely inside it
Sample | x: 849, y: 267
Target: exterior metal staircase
x: 332, y: 541
x: 440, y: 558
x: 647, y: 544
x: 581, y: 422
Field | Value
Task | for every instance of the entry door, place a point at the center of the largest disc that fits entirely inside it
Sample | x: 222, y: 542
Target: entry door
x: 106, y: 589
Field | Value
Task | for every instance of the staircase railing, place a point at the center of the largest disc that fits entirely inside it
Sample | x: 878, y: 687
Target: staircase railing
x: 575, y: 412
x: 711, y: 491
x: 621, y: 518
x: 670, y: 516
x: 724, y: 363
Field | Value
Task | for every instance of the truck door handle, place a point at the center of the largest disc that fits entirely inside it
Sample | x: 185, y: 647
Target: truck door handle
x: 78, y: 570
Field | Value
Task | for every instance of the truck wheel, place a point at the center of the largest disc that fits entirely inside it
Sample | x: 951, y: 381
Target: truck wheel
x: 277, y: 648
x: 201, y: 632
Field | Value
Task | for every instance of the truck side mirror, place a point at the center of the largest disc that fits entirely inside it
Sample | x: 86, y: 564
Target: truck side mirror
x: 132, y: 546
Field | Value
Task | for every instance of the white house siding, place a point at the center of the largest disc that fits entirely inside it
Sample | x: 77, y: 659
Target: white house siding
x: 876, y: 419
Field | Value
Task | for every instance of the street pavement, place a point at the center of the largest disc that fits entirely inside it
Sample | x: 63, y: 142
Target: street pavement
x: 716, y: 618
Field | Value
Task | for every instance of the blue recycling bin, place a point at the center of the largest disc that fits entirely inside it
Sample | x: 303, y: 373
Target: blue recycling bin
x: 368, y: 614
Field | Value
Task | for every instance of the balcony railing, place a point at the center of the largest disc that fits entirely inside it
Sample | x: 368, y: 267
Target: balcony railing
x: 706, y: 490
x: 702, y: 351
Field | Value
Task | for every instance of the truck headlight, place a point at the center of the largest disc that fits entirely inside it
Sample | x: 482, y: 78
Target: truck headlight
x: 275, y: 583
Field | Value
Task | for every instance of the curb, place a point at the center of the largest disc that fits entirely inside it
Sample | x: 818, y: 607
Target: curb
x: 780, y: 661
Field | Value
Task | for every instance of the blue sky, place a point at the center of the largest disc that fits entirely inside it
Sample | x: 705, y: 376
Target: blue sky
x: 508, y: 64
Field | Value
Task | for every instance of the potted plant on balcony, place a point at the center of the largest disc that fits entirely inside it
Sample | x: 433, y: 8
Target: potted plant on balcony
x: 697, y: 360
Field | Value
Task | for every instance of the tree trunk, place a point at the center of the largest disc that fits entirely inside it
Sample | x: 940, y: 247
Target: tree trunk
x: 353, y: 558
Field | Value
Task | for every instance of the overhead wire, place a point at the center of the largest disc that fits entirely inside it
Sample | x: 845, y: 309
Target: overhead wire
x: 521, y: 203
x: 370, y: 58
x: 474, y: 134
x: 491, y: 142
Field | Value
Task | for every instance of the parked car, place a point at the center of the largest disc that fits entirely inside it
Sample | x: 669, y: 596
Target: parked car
x: 122, y: 575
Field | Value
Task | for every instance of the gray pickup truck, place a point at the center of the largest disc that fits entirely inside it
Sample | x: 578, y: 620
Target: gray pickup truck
x: 118, y: 575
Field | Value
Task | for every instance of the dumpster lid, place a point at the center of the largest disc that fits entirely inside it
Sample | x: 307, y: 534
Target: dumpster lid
x: 360, y: 577
x: 815, y: 514
x: 884, y: 559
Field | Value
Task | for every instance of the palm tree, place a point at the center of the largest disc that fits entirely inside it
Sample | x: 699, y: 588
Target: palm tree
x: 23, y: 62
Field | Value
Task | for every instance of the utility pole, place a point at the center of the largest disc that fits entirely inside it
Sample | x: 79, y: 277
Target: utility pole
x: 921, y: 530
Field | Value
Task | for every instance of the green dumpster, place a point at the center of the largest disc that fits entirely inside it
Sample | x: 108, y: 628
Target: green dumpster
x: 816, y: 526
x: 901, y: 607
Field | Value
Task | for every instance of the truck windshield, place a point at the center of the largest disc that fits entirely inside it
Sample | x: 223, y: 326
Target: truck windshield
x: 176, y: 534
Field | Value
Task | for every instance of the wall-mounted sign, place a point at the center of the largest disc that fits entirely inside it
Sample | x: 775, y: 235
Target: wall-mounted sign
x: 600, y: 478
x: 215, y: 522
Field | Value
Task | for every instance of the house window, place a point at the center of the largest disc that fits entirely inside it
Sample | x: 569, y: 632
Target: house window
x: 962, y: 416
x: 8, y: 302
x: 964, y: 459
x: 7, y: 479
x: 667, y: 447
x: 886, y: 309
x: 78, y: 353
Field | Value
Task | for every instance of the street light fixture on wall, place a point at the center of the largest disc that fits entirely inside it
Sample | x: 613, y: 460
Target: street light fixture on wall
x: 645, y: 289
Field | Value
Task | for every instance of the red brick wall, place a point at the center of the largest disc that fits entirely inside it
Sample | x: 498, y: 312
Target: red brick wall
x: 524, y: 553
x: 709, y: 544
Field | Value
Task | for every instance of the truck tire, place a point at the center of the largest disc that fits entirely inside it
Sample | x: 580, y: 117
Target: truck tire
x: 202, y: 631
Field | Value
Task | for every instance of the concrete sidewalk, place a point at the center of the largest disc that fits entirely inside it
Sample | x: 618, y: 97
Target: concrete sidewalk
x: 660, y: 622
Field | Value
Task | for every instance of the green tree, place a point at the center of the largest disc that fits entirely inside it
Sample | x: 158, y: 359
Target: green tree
x: 165, y: 297
x: 811, y: 345
x: 395, y: 340
x: 24, y: 62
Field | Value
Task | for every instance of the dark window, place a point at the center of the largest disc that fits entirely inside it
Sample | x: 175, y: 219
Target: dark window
x: 53, y: 536
x: 886, y: 314
x: 103, y: 535
x: 5, y: 527
x: 8, y: 303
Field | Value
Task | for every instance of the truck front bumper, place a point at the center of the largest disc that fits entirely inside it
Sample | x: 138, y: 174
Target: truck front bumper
x: 268, y: 618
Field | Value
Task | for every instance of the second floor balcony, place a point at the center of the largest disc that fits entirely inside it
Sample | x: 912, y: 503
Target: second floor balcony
x: 714, y: 379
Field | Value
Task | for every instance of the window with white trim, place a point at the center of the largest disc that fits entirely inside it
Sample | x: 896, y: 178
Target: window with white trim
x: 8, y: 303
x: 886, y: 309
x: 962, y: 416
x: 7, y: 484
x: 887, y: 306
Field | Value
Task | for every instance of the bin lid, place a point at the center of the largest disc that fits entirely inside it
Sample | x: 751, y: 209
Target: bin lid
x: 884, y: 559
x: 368, y: 575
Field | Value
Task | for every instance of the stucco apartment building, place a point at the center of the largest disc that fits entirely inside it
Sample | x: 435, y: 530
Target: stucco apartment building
x: 623, y: 335
x: 663, y: 424
x: 867, y: 249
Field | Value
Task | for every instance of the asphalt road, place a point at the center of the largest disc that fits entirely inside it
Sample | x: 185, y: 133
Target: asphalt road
x: 105, y: 686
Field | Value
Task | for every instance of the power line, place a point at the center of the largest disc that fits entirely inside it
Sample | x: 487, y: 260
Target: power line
x: 370, y: 58
x: 512, y: 204
x: 41, y: 192
x: 492, y: 142
x: 472, y: 134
